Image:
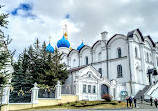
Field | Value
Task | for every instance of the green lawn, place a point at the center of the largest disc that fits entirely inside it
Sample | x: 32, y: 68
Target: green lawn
x: 83, y: 105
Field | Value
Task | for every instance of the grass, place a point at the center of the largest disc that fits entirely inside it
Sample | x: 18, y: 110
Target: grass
x: 83, y: 105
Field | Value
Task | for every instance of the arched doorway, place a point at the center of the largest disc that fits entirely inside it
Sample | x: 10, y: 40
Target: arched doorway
x: 104, y: 89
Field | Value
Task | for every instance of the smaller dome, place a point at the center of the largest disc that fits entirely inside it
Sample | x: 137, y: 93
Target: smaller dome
x: 63, y: 43
x: 79, y: 47
x: 49, y: 48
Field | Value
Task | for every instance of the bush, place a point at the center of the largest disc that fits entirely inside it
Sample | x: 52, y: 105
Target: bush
x: 107, y: 97
x: 60, y: 104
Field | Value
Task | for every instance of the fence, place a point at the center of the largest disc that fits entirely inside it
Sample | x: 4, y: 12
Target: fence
x: 68, y: 89
x: 46, y: 93
x: 32, y: 95
x: 39, y: 97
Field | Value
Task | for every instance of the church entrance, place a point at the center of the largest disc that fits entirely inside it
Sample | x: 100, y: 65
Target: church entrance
x: 104, y: 90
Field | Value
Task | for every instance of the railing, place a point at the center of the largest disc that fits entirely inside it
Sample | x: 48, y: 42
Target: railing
x: 152, y: 88
x: 46, y: 93
x: 68, y: 89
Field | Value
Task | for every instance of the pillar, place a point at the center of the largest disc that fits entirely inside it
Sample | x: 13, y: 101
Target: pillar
x: 34, y: 95
x: 5, y: 94
x: 58, y: 91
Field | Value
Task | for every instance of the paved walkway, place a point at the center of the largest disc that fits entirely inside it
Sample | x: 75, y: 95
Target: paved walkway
x: 141, y: 107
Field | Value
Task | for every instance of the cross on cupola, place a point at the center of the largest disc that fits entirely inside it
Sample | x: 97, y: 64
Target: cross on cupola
x: 49, y: 38
x: 65, y: 34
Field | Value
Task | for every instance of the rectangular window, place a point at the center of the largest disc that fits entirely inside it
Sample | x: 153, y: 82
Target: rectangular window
x: 84, y: 88
x: 119, y: 71
x: 89, y: 88
x: 94, y: 89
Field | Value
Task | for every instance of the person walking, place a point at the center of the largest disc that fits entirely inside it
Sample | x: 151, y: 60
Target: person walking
x: 130, y: 102
x: 155, y: 101
x: 127, y: 99
x: 135, y: 102
x: 151, y: 101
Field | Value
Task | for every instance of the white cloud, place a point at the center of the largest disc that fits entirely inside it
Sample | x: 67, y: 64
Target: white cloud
x: 88, y: 18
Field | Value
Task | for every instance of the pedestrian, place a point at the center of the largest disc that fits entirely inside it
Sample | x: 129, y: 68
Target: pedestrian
x: 127, y: 99
x: 155, y: 101
x: 151, y: 101
x: 141, y: 99
x: 130, y: 102
x: 135, y: 102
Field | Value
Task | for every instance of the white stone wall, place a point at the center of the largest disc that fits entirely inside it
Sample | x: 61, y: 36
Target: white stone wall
x: 134, y: 69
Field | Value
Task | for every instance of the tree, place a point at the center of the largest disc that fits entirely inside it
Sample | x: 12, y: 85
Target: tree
x: 56, y: 71
x: 36, y: 64
x: 22, y: 81
x: 4, y: 53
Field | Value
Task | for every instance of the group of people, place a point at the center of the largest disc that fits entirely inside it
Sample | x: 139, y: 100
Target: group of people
x: 130, y: 102
x: 155, y: 102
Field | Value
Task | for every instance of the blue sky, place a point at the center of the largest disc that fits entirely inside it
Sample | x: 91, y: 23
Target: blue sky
x: 32, y: 19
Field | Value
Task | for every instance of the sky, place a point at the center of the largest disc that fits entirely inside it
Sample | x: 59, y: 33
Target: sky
x: 32, y: 19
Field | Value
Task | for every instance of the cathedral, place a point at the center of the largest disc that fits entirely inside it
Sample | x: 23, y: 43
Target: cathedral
x: 124, y: 65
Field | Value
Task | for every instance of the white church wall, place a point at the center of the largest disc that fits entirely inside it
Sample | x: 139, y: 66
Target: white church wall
x: 64, y: 59
x: 86, y: 52
x: 103, y: 66
x: 97, y: 54
x: 114, y: 46
x: 74, y: 59
x: 125, y: 70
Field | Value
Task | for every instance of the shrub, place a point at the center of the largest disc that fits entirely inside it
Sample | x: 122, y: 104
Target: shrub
x: 60, y: 104
x: 107, y: 97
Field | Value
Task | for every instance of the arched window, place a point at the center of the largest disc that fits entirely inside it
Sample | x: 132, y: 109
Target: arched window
x: 119, y: 71
x: 136, y: 52
x: 119, y: 53
x: 86, y: 58
x: 157, y: 61
x: 100, y: 71
x: 74, y: 63
x: 99, y: 57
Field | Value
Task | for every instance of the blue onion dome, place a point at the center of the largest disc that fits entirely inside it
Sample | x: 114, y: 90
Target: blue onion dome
x: 49, y: 48
x: 63, y: 43
x: 79, y: 47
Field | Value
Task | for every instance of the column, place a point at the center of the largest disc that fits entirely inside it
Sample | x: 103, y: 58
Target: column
x: 5, y: 94
x: 143, y: 64
x: 131, y: 58
x: 34, y: 95
x: 58, y: 91
x: 108, y: 63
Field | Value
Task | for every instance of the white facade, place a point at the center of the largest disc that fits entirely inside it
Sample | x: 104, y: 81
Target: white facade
x: 123, y: 62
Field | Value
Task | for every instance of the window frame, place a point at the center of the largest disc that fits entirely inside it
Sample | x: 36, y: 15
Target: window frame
x: 89, y: 90
x: 119, y: 71
x: 84, y: 88
x: 86, y: 60
x: 100, y: 71
x: 94, y: 89
x: 119, y: 53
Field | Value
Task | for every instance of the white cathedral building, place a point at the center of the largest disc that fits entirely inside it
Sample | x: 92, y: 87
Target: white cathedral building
x: 124, y: 65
